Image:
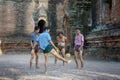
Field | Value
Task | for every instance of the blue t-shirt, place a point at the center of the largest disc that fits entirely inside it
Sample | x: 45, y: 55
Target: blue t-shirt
x: 33, y: 37
x: 44, y: 40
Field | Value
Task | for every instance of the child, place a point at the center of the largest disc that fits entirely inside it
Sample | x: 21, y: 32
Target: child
x: 61, y: 40
x: 48, y: 46
x: 78, y: 47
x: 33, y: 38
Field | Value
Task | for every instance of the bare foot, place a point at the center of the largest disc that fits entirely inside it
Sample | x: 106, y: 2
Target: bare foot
x: 82, y: 65
x: 46, y: 73
x: 69, y: 61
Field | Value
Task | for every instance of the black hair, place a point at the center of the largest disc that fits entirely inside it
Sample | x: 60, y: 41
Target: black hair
x: 46, y: 28
x: 41, y: 24
x: 60, y: 33
x: 36, y: 28
x: 77, y: 28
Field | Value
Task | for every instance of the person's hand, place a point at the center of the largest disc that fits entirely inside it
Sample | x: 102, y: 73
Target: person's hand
x: 57, y: 49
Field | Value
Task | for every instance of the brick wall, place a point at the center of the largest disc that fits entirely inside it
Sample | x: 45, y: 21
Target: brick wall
x: 16, y: 22
x: 104, y: 42
x: 116, y: 11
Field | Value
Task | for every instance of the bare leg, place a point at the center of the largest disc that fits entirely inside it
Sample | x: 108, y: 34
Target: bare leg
x: 37, y: 67
x: 53, y: 52
x: 81, y: 58
x: 63, y: 54
x: 75, y: 57
x: 31, y: 59
x: 55, y: 61
x: 46, y: 62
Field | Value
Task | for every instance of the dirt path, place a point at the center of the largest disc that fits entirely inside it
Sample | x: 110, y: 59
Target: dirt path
x: 16, y: 67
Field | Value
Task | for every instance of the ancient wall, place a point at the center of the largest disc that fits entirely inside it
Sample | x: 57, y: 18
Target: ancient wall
x: 16, y: 22
x: 60, y: 14
x: 55, y: 17
x: 104, y: 40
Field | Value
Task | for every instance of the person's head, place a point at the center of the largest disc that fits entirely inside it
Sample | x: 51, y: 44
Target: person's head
x: 36, y: 29
x: 77, y: 30
x: 60, y: 34
x: 47, y: 29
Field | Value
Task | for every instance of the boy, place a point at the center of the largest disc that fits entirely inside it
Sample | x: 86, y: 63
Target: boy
x: 61, y: 40
x: 33, y: 38
x: 48, y: 46
x: 78, y: 47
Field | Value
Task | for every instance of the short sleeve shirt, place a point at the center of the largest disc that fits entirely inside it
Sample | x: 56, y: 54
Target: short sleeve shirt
x: 33, y: 37
x: 79, y: 39
x: 44, y: 40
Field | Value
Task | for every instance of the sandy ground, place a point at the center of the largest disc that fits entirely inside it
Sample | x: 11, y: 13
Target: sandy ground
x: 16, y: 67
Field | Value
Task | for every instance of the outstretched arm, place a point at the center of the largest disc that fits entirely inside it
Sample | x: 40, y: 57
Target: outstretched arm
x: 82, y: 41
x: 31, y: 43
x: 35, y: 44
x: 54, y: 46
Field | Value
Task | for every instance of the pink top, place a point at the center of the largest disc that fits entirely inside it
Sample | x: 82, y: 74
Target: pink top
x: 79, y: 39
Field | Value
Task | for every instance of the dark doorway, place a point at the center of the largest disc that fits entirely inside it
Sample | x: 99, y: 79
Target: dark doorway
x: 41, y: 24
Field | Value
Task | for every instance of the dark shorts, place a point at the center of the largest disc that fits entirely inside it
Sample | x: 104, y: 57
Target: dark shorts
x: 77, y: 48
x: 36, y: 48
x: 48, y: 49
x: 61, y: 47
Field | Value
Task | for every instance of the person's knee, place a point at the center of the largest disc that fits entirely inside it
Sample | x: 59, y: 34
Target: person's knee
x: 75, y: 53
x: 32, y: 54
x: 81, y: 57
x: 46, y: 64
x: 53, y: 52
x: 63, y: 50
x: 37, y: 56
x: 32, y: 57
x: 80, y: 54
x: 75, y: 56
